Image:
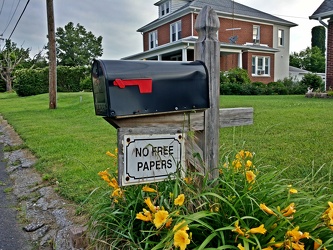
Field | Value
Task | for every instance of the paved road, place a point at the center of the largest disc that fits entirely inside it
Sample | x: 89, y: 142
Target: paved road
x: 11, y: 234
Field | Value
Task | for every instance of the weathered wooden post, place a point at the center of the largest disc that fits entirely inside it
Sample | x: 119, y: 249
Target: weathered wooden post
x: 207, y: 49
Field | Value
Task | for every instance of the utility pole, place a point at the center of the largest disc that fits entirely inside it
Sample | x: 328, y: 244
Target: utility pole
x: 52, y: 56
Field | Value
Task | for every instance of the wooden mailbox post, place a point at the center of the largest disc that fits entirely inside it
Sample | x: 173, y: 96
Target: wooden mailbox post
x: 172, y: 128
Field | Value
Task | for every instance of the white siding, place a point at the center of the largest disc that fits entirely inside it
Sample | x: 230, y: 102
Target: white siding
x: 176, y: 4
x: 282, y: 57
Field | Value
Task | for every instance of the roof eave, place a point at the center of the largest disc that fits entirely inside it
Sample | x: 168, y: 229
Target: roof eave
x: 323, y: 15
x: 178, y: 14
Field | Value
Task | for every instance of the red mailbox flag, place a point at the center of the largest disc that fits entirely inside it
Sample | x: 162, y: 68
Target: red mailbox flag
x: 145, y: 84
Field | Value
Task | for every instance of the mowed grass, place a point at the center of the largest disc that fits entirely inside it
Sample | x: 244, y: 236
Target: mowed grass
x: 71, y: 141
x: 291, y: 132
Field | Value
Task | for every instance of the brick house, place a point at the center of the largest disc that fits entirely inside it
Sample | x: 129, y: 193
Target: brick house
x: 249, y: 38
x: 325, y: 11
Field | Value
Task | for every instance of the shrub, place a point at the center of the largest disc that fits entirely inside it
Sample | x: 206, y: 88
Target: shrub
x: 313, y: 81
x: 278, y: 88
x: 238, y: 75
x: 246, y: 207
x: 36, y: 81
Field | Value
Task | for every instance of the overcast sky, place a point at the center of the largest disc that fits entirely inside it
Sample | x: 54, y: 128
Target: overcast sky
x: 117, y: 21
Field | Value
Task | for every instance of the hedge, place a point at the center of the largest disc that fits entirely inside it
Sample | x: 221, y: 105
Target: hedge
x: 36, y: 81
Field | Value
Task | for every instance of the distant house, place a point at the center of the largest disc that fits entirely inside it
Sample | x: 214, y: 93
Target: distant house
x: 249, y: 38
x: 298, y: 74
x: 325, y: 11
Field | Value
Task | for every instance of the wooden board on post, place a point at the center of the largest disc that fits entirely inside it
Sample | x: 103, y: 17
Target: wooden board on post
x: 207, y: 50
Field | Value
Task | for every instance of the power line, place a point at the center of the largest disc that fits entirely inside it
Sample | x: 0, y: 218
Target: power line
x: 12, y: 16
x: 19, y: 18
x: 3, y: 2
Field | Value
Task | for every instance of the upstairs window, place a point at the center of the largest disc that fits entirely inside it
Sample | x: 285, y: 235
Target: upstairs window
x: 165, y: 8
x: 256, y: 34
x: 281, y: 37
x: 175, y: 31
x: 153, y: 39
x: 260, y: 65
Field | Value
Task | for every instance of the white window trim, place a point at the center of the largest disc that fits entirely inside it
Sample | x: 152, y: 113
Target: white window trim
x: 154, y: 40
x: 176, y: 25
x: 256, y: 40
x: 263, y: 71
x: 281, y: 39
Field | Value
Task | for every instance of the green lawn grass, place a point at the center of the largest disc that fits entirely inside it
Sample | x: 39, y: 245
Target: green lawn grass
x: 288, y: 132
x: 71, y: 141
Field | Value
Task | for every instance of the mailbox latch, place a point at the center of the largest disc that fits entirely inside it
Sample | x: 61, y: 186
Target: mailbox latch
x: 145, y: 84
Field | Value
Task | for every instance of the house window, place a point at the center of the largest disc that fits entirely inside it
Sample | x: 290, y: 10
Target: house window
x: 176, y: 31
x: 153, y: 39
x: 260, y: 65
x: 256, y: 34
x: 165, y: 8
x: 281, y: 37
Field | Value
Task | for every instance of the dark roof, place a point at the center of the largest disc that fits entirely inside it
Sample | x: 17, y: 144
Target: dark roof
x: 231, y: 7
x: 228, y: 8
x: 325, y: 10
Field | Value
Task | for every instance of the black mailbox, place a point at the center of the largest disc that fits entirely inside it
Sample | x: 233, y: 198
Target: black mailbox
x: 129, y: 88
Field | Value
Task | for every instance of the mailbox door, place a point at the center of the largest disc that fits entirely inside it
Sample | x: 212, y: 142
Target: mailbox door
x: 175, y: 87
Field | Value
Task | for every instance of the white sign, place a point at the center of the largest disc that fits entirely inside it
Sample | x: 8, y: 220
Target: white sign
x: 151, y: 158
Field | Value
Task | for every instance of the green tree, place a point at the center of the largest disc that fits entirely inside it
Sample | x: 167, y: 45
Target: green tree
x: 76, y: 46
x: 318, y: 38
x: 310, y: 59
x: 10, y: 58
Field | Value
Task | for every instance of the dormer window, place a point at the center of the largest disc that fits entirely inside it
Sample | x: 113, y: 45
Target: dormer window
x: 165, y: 8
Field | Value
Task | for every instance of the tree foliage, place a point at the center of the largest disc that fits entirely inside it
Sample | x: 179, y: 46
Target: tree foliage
x: 76, y: 46
x: 10, y: 58
x: 311, y: 59
x: 318, y: 38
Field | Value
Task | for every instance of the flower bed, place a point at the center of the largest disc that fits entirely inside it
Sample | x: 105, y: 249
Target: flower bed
x: 247, y: 207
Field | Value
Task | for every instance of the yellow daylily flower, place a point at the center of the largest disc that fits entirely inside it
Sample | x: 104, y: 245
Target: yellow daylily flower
x: 248, y: 154
x: 258, y: 230
x: 248, y: 164
x: 266, y: 209
x: 179, y: 201
x: 181, y: 239
x: 147, y: 189
x: 150, y: 205
x: 114, y: 183
x: 141, y: 216
x: 105, y: 176
x: 250, y: 176
x: 181, y: 226
x: 297, y: 235
x: 237, y: 164
x: 118, y: 192
x: 289, y: 210
x: 240, y: 247
x: 111, y: 155
x: 160, y: 218
x: 238, y: 229
x: 317, y: 243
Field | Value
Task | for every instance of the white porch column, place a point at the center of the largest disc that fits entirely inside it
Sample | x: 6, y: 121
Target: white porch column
x: 240, y: 59
x: 159, y: 57
x: 184, y: 54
